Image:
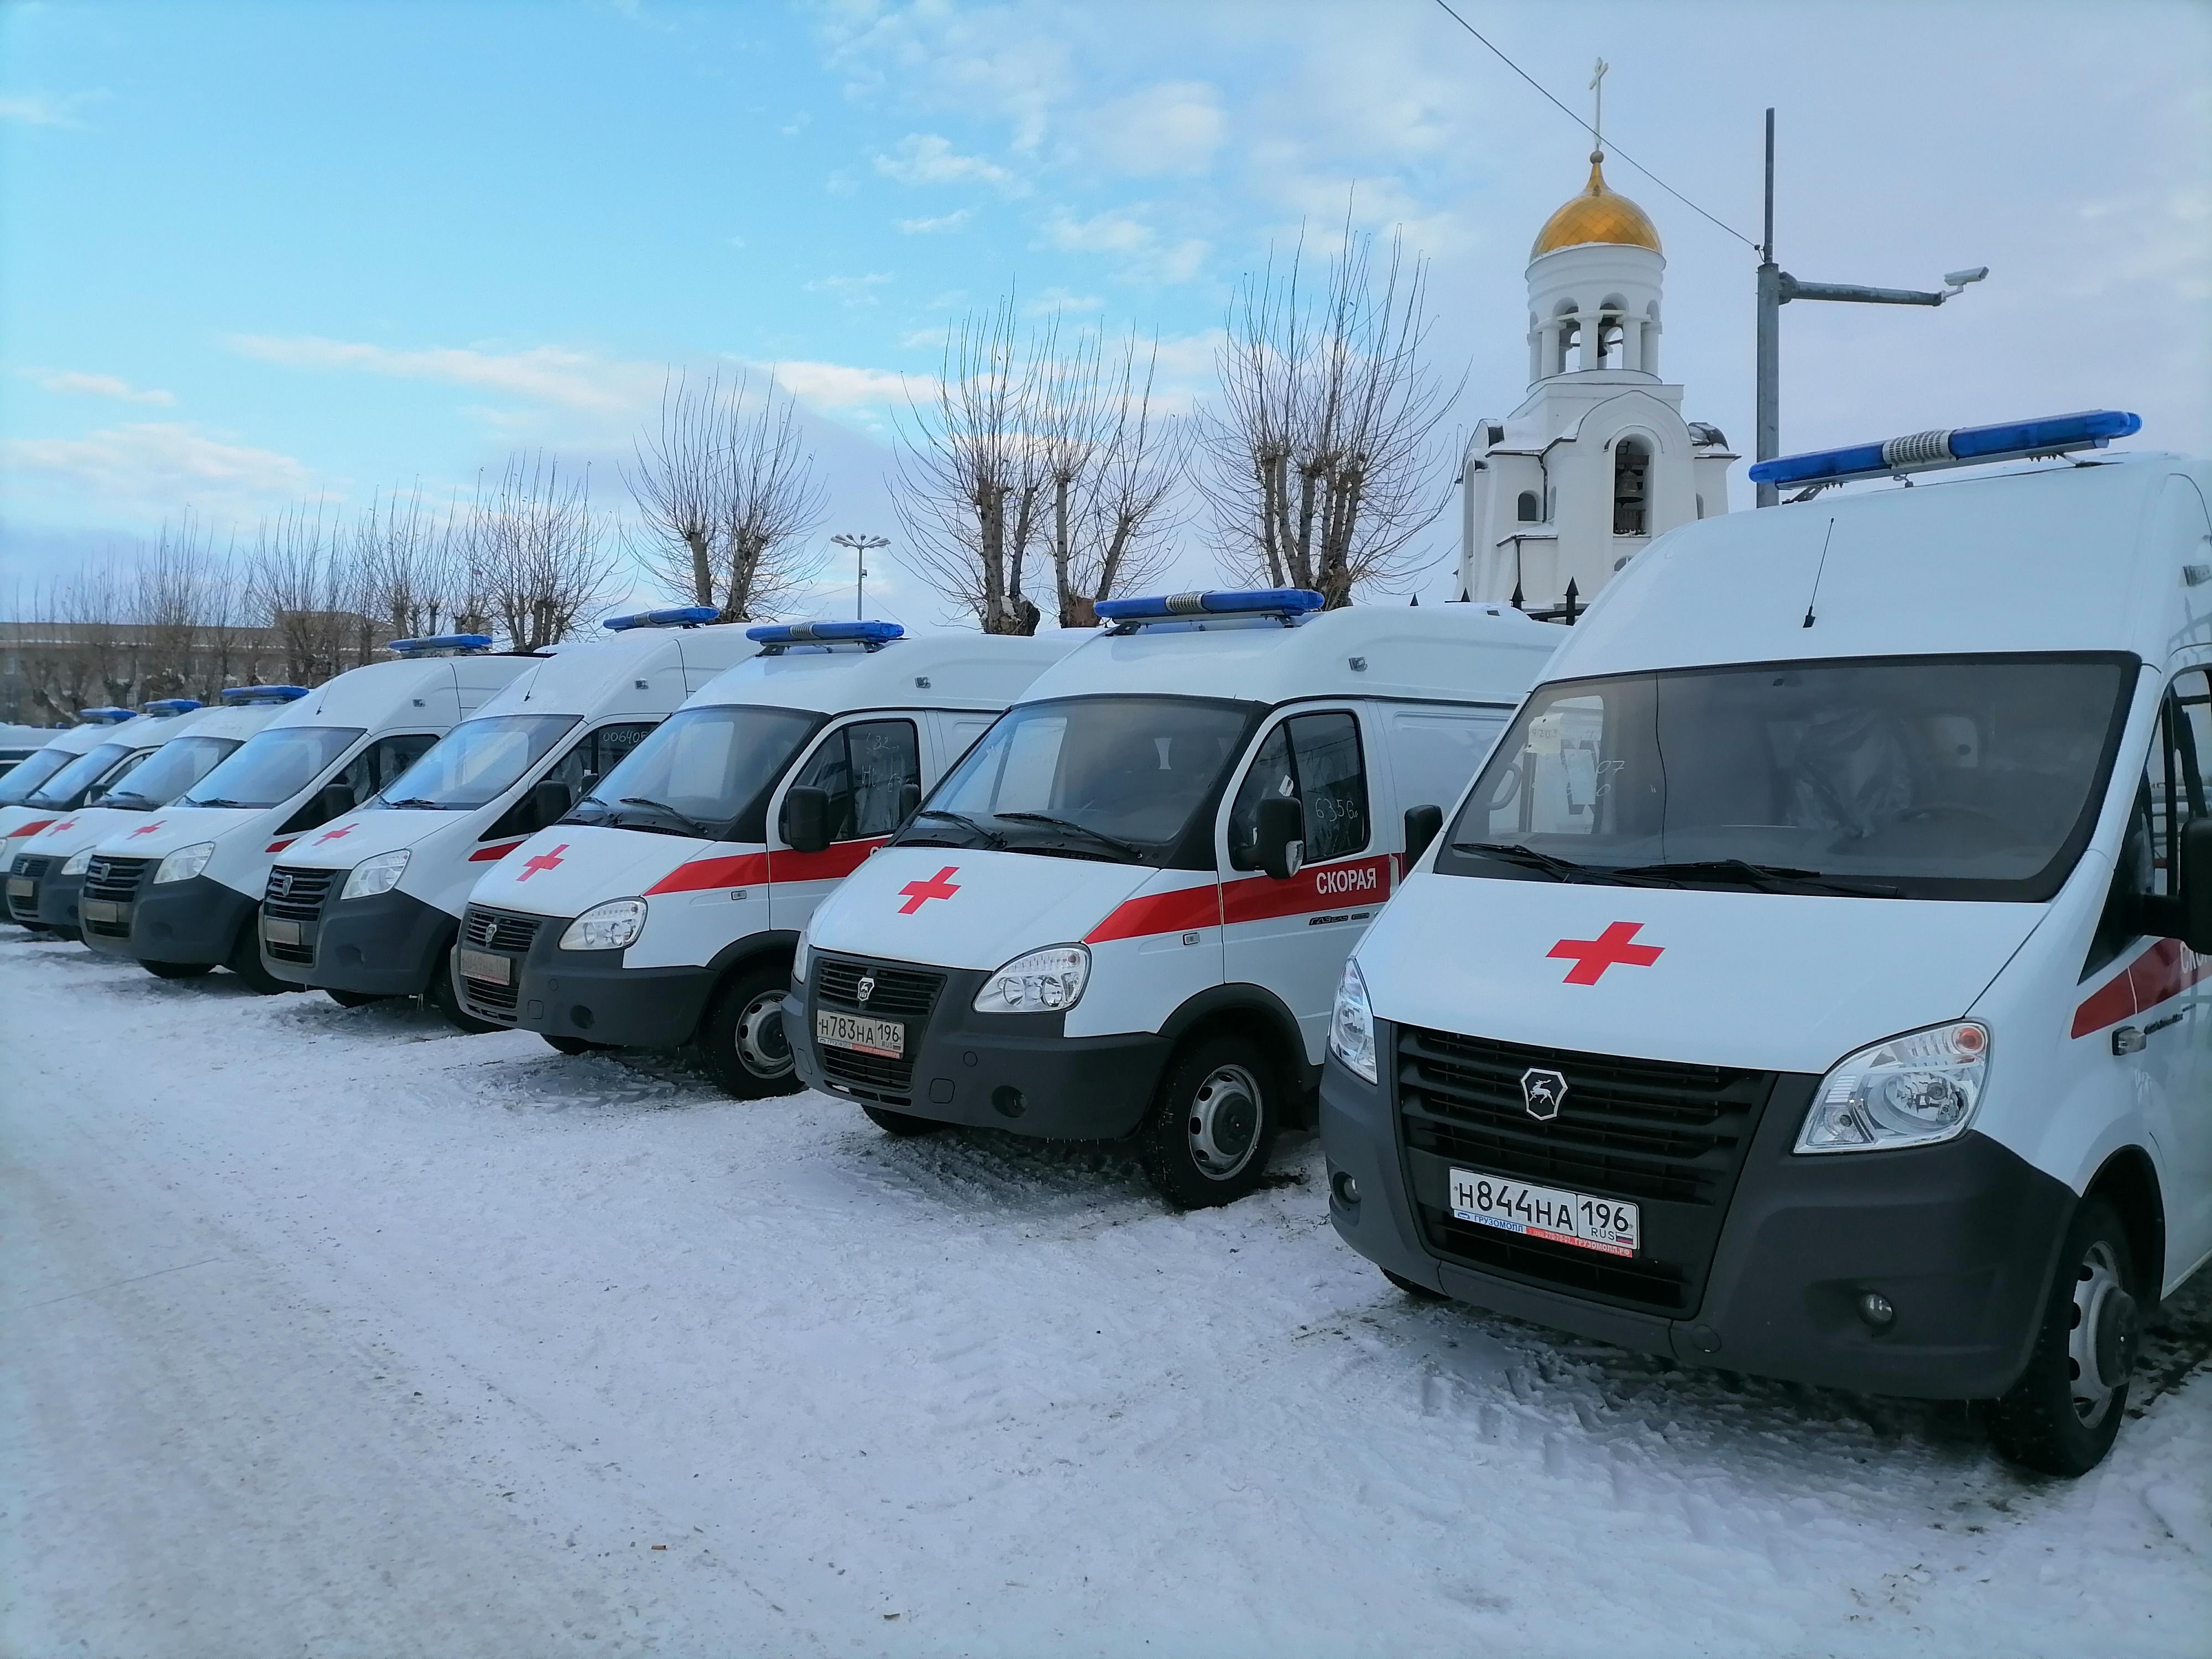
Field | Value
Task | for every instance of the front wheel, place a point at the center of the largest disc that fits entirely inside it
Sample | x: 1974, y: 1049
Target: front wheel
x: 742, y: 1042
x: 2063, y: 1415
x: 441, y: 994
x: 1213, y: 1124
x: 178, y: 970
x: 246, y: 962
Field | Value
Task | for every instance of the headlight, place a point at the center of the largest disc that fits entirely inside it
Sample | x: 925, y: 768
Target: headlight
x: 1352, y: 1024
x: 1911, y: 1091
x: 77, y: 862
x: 185, y: 862
x: 799, y: 962
x: 372, y: 876
x: 1038, y: 983
x: 613, y: 926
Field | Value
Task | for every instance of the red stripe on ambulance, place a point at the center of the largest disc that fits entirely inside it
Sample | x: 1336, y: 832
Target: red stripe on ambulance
x: 1177, y: 912
x: 1317, y: 887
x: 2166, y: 970
x: 832, y: 863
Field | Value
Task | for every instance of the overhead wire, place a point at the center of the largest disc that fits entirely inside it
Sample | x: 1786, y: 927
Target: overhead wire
x: 1615, y: 150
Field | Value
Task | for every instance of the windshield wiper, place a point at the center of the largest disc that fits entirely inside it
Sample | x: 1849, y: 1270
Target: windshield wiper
x: 213, y: 801
x: 989, y: 837
x: 1509, y: 852
x: 122, y: 795
x: 1764, y: 878
x: 691, y: 824
x: 418, y: 800
x: 1127, y: 848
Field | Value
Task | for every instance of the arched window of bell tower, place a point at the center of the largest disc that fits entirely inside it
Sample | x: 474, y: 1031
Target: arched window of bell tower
x: 1566, y: 338
x: 1529, y: 509
x: 1612, y: 343
x: 1631, y: 485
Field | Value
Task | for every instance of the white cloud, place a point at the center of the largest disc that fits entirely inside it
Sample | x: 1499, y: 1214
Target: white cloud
x: 1144, y: 254
x: 1176, y: 126
x: 839, y: 385
x: 43, y: 109
x: 1062, y: 300
x: 853, y: 291
x: 925, y: 158
x: 94, y: 386
x: 553, y: 374
x: 944, y: 222
x: 161, y: 463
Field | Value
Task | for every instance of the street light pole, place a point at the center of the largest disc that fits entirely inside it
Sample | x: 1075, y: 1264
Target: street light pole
x: 1777, y: 288
x: 861, y: 546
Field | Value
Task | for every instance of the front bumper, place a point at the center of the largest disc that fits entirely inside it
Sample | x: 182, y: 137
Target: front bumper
x: 385, y: 946
x: 1959, y: 1238
x: 189, y: 922
x: 39, y: 898
x: 1013, y: 1072
x: 57, y: 901
x: 586, y: 994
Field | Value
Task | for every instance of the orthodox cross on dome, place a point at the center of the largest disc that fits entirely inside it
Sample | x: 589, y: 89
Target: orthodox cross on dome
x: 1597, y: 110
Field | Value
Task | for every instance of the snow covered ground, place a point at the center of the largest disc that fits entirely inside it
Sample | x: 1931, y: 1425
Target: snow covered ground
x: 328, y: 1332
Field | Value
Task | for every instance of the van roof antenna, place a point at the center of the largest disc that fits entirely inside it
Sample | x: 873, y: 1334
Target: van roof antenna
x: 1819, y: 571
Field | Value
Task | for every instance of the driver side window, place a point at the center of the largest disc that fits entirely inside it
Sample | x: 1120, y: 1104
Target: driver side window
x: 864, y: 768
x: 1316, y: 760
x: 2169, y: 792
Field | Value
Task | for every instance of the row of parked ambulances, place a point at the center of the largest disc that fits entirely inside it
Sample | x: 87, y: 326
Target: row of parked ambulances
x: 1800, y: 967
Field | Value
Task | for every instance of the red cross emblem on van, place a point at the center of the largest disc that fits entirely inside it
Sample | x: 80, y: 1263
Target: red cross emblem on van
x: 543, y: 862
x: 147, y: 830
x: 919, y: 893
x: 1610, y: 949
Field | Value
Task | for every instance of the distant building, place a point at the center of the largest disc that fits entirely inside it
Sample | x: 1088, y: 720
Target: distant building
x: 50, y: 670
x: 1597, y: 459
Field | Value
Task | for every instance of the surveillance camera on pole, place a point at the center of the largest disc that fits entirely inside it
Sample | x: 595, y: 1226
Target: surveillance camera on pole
x: 1777, y: 288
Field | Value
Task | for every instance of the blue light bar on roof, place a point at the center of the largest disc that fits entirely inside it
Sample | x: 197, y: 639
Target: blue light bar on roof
x: 1223, y: 602
x: 825, y: 632
x: 433, y: 645
x: 264, y: 694
x: 170, y: 706
x: 108, y: 716
x: 676, y: 616
x: 1966, y: 446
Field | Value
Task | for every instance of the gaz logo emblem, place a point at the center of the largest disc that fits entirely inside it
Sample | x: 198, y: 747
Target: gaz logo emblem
x: 865, y: 989
x: 1542, y: 1092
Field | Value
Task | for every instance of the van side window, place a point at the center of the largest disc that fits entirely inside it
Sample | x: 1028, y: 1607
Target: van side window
x: 1433, y: 754
x: 1316, y: 760
x: 589, y: 759
x: 864, y: 768
x: 365, y: 775
x: 2170, y: 791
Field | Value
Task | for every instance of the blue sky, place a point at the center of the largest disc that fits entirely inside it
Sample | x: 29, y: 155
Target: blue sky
x: 256, y: 254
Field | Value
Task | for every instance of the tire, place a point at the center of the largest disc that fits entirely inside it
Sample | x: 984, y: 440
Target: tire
x: 178, y: 970
x: 353, y: 998
x: 246, y: 962
x: 1213, y: 1123
x: 573, y: 1046
x: 741, y: 1041
x: 903, y: 1124
x: 1415, y: 1288
x: 2063, y: 1415
x: 440, y: 995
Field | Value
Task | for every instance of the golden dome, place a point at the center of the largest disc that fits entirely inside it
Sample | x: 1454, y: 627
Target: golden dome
x: 1596, y: 215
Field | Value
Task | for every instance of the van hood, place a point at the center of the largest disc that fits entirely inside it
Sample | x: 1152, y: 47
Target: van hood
x: 154, y: 833
x: 343, y: 842
x: 27, y: 820
x: 957, y: 908
x: 1765, y: 981
x: 578, y: 865
x: 87, y: 827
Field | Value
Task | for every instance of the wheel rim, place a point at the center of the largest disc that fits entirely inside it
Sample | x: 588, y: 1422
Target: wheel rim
x: 2100, y: 1347
x: 763, y: 1048
x: 1223, y: 1124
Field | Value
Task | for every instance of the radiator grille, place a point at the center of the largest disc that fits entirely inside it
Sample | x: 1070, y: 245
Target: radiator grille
x: 118, y: 881
x: 24, y: 907
x: 504, y: 933
x: 898, y: 993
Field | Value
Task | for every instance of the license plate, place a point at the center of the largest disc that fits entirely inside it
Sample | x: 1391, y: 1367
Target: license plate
x: 21, y: 887
x: 483, y: 965
x: 1565, y: 1218
x: 100, y: 910
x: 277, y: 931
x: 886, y: 1037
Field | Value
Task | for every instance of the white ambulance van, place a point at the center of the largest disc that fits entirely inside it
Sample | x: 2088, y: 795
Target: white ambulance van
x: 368, y: 907
x: 44, y: 880
x: 181, y: 892
x: 663, y: 910
x: 1126, y: 910
x: 107, y: 753
x: 1813, y: 982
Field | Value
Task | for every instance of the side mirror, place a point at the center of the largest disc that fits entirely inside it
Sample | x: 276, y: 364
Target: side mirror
x: 550, y: 801
x: 1422, y: 823
x: 2192, y: 918
x: 331, y: 800
x: 909, y: 801
x: 806, y: 818
x: 1280, y: 848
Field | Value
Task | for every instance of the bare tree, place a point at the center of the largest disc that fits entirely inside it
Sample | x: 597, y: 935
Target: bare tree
x: 539, y: 556
x: 1323, y: 464
x: 969, y: 475
x: 727, y: 495
x: 304, y: 574
x: 1132, y: 493
x: 412, y: 577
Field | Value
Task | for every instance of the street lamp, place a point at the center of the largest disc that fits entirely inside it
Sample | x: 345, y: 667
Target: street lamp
x: 1777, y: 288
x: 861, y: 546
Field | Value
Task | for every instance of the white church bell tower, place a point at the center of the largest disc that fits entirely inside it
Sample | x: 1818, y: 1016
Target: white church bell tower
x: 1597, y: 459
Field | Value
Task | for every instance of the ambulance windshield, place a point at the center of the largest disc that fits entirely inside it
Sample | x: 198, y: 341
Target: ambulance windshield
x: 476, y: 762
x: 705, y: 773
x: 66, y: 787
x: 272, y: 765
x: 1110, y: 778
x: 175, y: 767
x: 1928, y: 777
x: 27, y: 776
